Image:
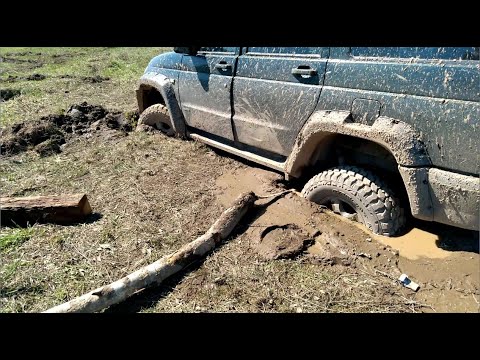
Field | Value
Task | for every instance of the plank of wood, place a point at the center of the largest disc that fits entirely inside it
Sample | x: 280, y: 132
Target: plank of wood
x: 59, y: 209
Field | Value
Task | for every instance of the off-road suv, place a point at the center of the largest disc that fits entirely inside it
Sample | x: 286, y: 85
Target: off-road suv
x: 379, y: 128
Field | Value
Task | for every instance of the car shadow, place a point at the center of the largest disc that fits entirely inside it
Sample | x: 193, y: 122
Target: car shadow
x: 453, y: 239
x: 449, y: 238
x: 22, y: 222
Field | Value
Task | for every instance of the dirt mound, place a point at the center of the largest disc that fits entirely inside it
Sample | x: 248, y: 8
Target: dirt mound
x: 95, y: 79
x: 33, y: 77
x: 8, y: 94
x: 24, y: 53
x: 47, y: 134
x: 36, y: 77
x: 11, y: 78
x: 15, y: 60
x: 282, y: 242
x: 330, y: 249
x: 25, y: 135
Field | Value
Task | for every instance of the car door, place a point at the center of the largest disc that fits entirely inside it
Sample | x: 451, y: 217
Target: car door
x: 205, y: 89
x: 275, y: 91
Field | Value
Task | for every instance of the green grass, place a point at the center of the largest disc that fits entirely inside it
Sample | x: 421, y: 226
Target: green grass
x: 11, y: 269
x: 64, y: 85
x: 14, y: 237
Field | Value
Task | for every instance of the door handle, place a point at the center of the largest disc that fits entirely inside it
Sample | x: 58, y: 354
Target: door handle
x: 222, y: 65
x: 304, y: 70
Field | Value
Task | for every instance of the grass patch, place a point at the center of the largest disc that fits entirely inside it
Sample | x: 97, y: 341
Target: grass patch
x: 15, y: 237
x: 9, y: 270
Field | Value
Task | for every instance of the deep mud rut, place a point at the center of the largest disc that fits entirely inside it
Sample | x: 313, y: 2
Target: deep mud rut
x: 449, y: 277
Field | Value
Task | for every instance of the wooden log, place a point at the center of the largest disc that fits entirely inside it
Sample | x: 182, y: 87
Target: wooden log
x: 158, y: 271
x: 60, y: 209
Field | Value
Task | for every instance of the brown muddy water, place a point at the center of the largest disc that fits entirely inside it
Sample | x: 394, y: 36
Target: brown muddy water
x: 443, y: 260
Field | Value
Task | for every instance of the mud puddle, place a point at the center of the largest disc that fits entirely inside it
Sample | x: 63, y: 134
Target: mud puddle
x: 415, y: 244
x: 47, y: 134
x: 444, y: 261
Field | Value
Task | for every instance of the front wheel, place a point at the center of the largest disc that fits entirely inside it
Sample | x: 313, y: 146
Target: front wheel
x: 158, y: 117
x: 357, y: 194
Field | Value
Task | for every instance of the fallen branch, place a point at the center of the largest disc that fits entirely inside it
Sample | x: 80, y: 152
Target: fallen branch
x: 158, y: 271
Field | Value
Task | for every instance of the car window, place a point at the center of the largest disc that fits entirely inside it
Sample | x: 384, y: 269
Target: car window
x: 446, y: 53
x: 287, y: 50
x: 230, y: 50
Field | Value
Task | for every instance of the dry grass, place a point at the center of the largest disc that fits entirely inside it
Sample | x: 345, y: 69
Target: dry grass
x: 148, y: 194
x: 236, y: 279
x: 14, y: 237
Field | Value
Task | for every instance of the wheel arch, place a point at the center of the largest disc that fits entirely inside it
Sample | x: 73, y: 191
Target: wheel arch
x: 158, y: 89
x: 394, y: 136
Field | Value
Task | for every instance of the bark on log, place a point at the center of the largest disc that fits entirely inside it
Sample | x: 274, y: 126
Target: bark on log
x: 158, y: 271
x: 55, y: 208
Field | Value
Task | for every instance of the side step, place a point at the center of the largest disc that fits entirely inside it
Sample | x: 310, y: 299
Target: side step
x: 244, y: 154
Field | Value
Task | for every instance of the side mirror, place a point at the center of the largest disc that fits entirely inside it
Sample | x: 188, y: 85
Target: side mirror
x: 186, y: 50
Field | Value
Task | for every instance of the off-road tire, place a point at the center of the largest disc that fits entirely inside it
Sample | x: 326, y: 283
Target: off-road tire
x: 158, y: 117
x: 371, y: 199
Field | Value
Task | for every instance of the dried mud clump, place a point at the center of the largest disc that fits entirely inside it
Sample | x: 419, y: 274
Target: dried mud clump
x: 282, y: 242
x: 8, y: 94
x: 36, y: 77
x: 47, y: 134
x: 95, y: 79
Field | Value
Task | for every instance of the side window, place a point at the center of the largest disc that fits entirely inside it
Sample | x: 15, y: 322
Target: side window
x: 288, y: 50
x: 228, y: 50
x: 444, y: 53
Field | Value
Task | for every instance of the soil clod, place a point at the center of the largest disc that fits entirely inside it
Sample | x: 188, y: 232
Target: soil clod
x: 282, y: 242
x: 8, y: 94
x: 36, y: 77
x: 47, y: 134
x: 95, y: 79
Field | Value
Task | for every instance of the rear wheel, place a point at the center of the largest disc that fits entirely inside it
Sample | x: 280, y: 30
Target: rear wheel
x: 357, y: 194
x: 158, y: 117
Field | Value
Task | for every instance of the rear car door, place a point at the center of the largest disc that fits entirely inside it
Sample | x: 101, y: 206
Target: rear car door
x: 205, y: 89
x: 275, y: 91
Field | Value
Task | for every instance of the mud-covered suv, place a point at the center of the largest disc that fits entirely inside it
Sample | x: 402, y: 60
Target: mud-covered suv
x: 380, y: 129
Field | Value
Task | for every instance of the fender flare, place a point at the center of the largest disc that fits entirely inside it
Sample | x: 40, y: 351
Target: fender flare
x: 164, y: 86
x: 396, y: 136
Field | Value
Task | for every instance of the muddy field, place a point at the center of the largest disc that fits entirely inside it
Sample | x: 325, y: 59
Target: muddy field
x: 151, y: 194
